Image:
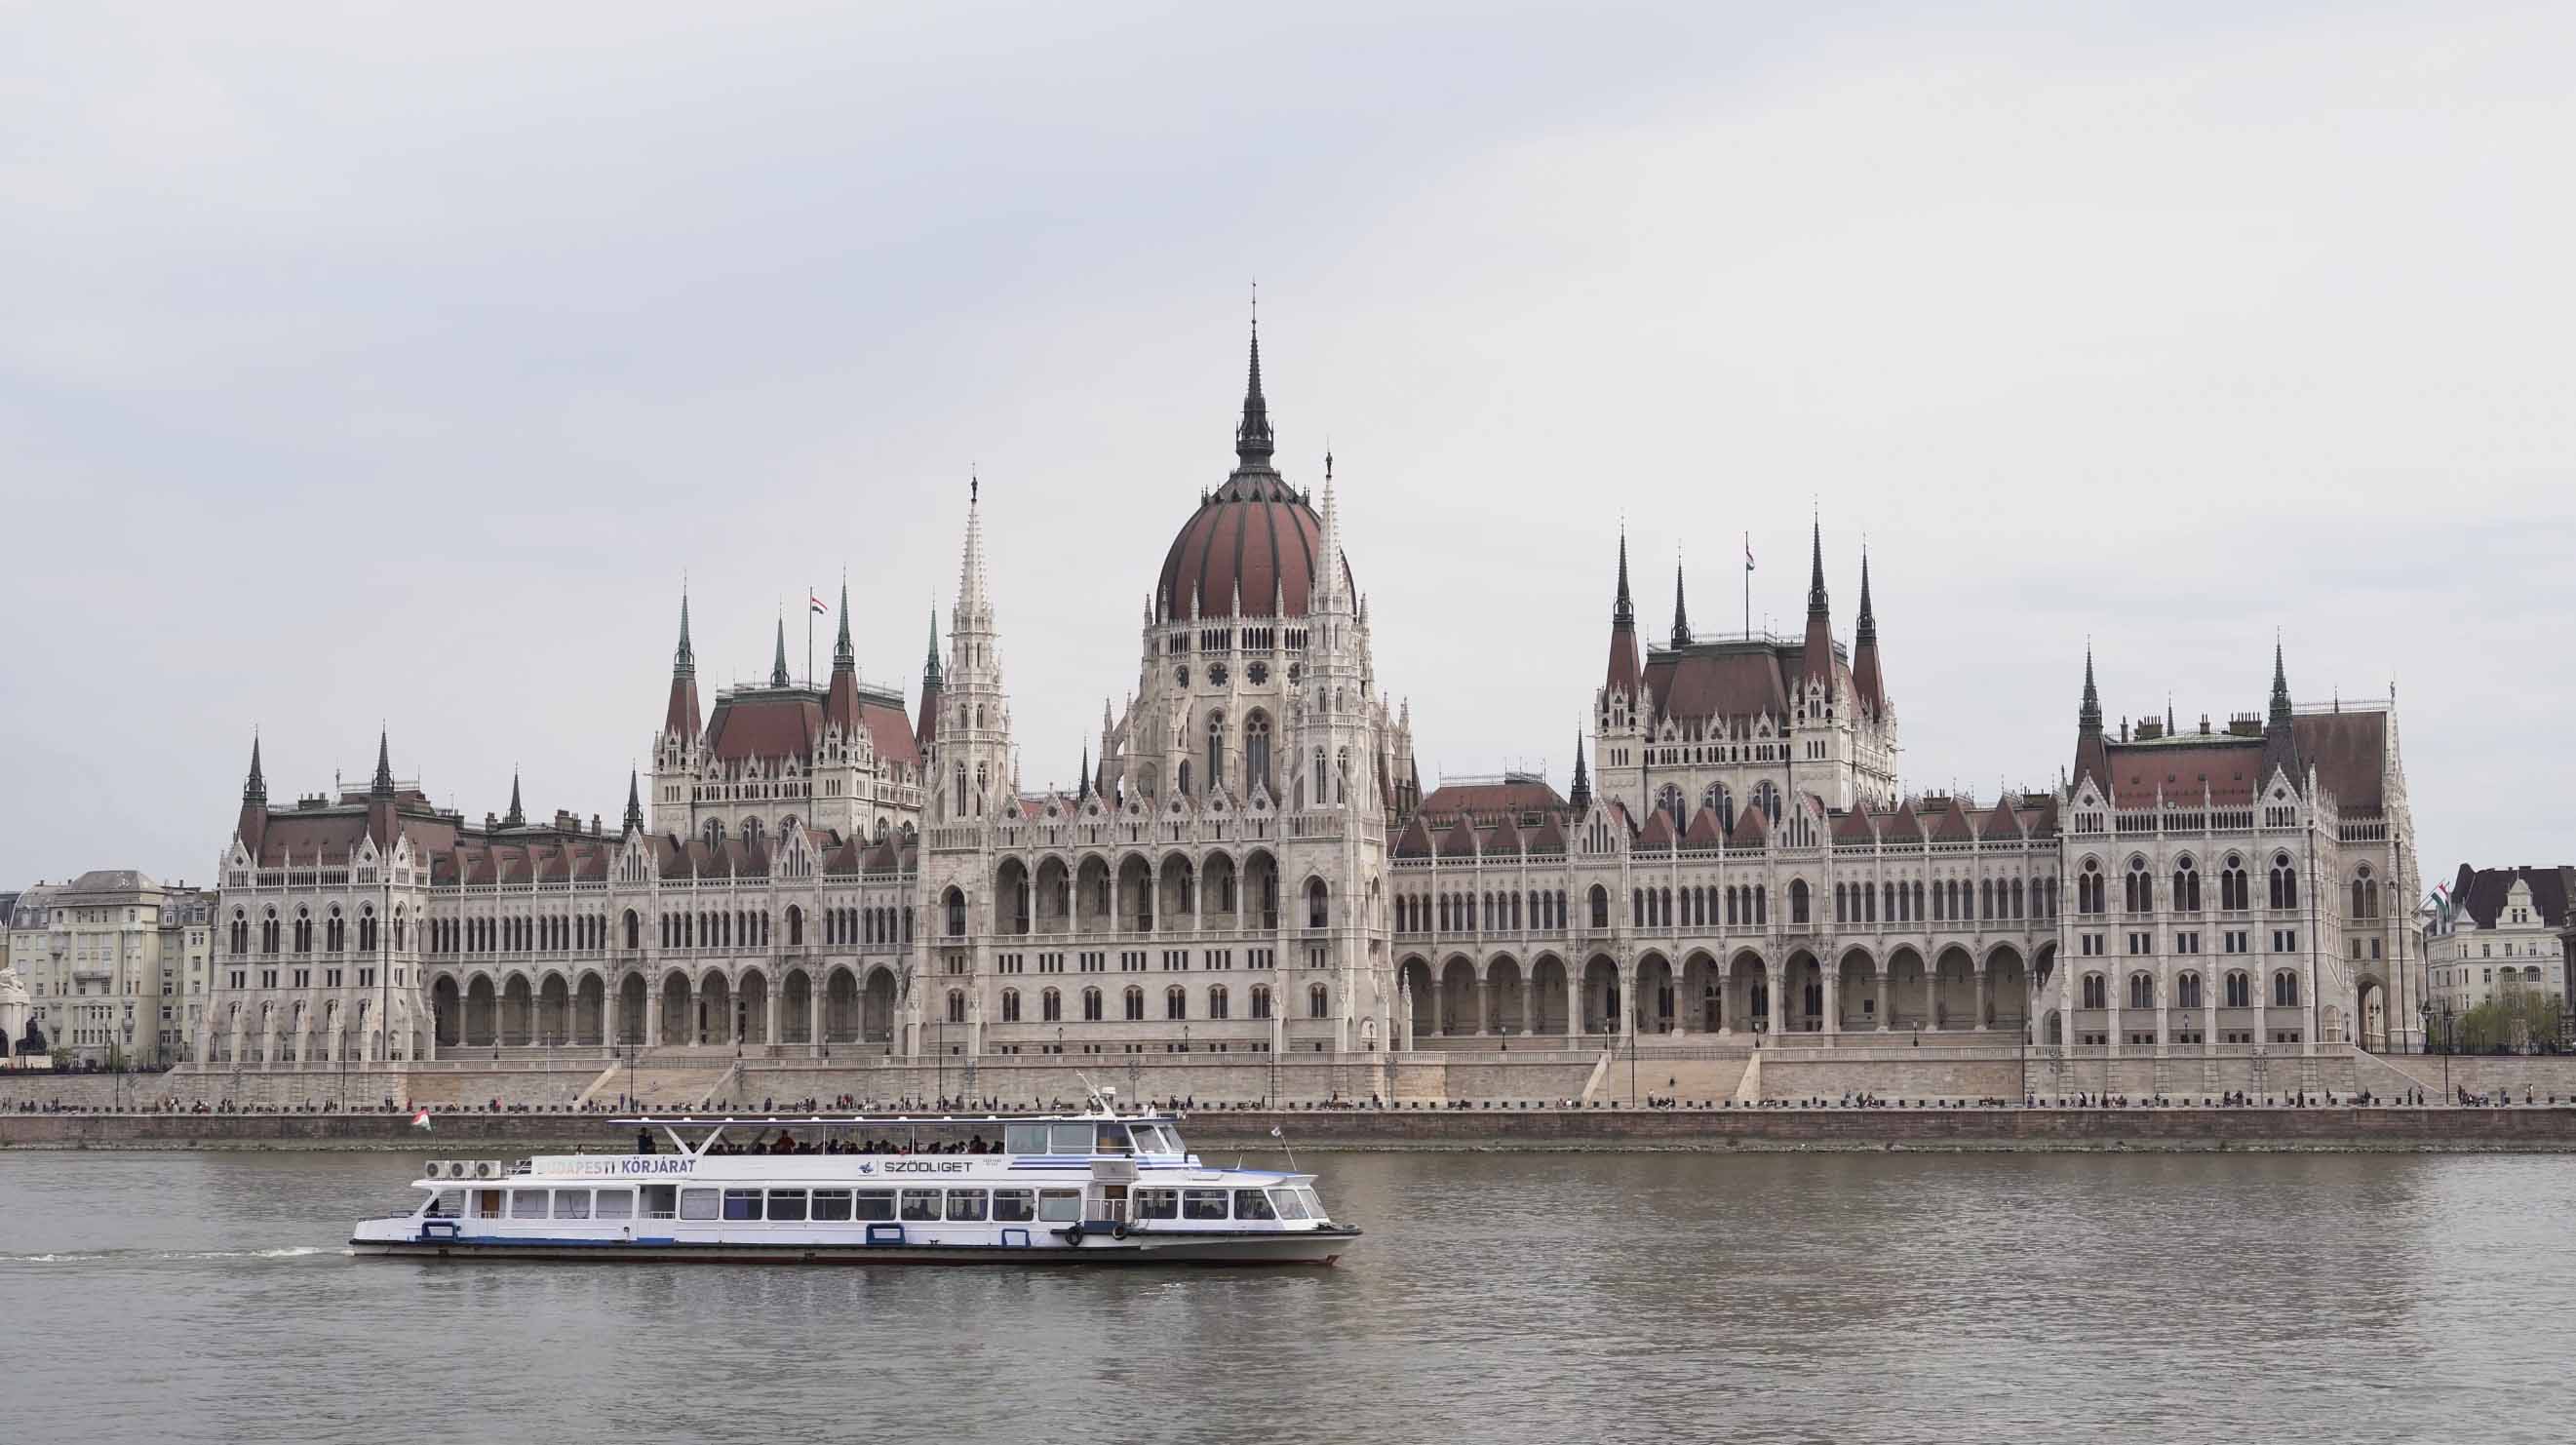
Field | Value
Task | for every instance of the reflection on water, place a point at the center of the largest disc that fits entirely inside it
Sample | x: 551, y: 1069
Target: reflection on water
x: 1540, y: 1296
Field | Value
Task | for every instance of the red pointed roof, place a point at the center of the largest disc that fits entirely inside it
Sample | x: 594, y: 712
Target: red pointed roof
x: 1547, y: 838
x: 1703, y: 831
x: 1414, y: 841
x: 1854, y: 827
x: 1658, y: 834
x: 1751, y: 829
x: 1459, y: 841
x: 1953, y: 825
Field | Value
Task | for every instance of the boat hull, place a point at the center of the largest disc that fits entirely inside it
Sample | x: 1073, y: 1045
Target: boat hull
x: 1303, y: 1247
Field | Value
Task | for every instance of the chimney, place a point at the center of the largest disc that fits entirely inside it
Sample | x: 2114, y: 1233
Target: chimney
x: 2204, y: 724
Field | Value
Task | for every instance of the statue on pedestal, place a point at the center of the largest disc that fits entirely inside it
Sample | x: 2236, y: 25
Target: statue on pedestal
x: 15, y: 1010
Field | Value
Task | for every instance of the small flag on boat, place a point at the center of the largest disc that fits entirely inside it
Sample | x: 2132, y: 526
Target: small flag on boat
x: 420, y: 1120
x: 1275, y: 1134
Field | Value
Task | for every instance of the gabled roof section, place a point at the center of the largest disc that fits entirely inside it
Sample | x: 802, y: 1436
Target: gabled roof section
x: 1547, y: 839
x: 1854, y: 827
x: 1657, y: 837
x: 2349, y: 750
x: 1414, y: 841
x: 2481, y: 893
x: 1953, y: 824
x: 2001, y: 823
x: 1501, y: 840
x: 1459, y: 841
x: 1901, y: 826
x: 1752, y: 830
x: 1703, y: 831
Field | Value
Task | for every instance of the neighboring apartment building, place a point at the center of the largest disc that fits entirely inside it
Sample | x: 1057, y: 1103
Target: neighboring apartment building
x: 115, y: 964
x: 2505, y: 930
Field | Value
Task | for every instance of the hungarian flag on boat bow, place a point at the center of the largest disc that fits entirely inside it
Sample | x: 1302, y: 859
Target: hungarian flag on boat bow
x: 420, y: 1120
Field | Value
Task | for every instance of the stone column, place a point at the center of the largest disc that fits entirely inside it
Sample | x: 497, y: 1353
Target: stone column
x: 1983, y: 1005
x: 1573, y: 1004
x: 1627, y: 998
x: 769, y: 1011
x: 1833, y: 1003
x: 1776, y: 979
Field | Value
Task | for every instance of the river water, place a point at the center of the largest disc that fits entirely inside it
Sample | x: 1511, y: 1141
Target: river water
x: 1840, y: 1297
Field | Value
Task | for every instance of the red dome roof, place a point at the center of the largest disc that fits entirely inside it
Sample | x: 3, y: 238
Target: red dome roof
x: 1254, y: 537
x: 1254, y: 533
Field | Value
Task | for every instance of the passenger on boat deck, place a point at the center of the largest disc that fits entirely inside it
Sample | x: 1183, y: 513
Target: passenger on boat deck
x: 975, y: 1145
x: 643, y: 1141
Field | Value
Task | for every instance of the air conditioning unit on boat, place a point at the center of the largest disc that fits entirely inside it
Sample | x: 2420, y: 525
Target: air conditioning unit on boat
x: 487, y: 1168
x: 438, y: 1169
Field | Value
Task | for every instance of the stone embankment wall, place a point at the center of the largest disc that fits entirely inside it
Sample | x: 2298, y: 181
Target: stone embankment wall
x: 1227, y: 1131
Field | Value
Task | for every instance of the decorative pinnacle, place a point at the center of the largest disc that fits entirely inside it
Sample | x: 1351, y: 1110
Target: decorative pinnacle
x: 2280, y: 688
x: 778, y: 668
x: 634, y: 805
x: 383, y: 785
x: 517, y: 816
x: 255, y: 790
x: 1866, y: 631
x: 684, y: 661
x: 1623, y: 612
x: 843, y: 654
x: 1681, y: 611
x: 2088, y: 718
x: 930, y: 663
x: 1252, y: 434
x: 1816, y: 571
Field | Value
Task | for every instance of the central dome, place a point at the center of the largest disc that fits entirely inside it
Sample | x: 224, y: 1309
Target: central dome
x: 1255, y: 538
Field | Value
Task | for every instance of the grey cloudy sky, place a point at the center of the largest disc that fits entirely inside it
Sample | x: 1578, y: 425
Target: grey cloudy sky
x: 394, y: 363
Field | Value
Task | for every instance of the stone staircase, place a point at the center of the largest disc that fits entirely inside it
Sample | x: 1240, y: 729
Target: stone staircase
x: 661, y: 1088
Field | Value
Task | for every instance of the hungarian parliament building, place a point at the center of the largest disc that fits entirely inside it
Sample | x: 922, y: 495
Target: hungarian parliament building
x: 1251, y: 865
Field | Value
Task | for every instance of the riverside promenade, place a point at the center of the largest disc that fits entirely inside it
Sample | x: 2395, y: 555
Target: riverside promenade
x: 1932, y: 1126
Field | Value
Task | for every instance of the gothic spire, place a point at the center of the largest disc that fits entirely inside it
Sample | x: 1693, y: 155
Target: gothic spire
x: 383, y: 785
x: 2280, y: 717
x: 2088, y: 718
x: 1681, y: 611
x: 1327, y: 585
x: 1816, y: 573
x: 1082, y: 789
x: 684, y: 661
x: 973, y: 611
x: 930, y: 677
x: 1623, y: 612
x: 1866, y: 631
x: 517, y: 818
x: 844, y: 656
x: 1581, y: 794
x: 1252, y: 434
x: 255, y: 790
x: 634, y: 805
x: 778, y: 668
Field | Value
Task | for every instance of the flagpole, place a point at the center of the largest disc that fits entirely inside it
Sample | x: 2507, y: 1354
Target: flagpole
x: 809, y: 634
x: 1748, y: 586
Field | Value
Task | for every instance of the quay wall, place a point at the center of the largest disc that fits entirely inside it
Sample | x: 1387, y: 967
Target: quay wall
x: 1691, y: 1075
x: 2431, y: 1130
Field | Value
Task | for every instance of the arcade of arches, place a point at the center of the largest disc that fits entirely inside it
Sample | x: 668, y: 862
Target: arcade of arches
x: 1503, y: 996
x: 711, y: 1006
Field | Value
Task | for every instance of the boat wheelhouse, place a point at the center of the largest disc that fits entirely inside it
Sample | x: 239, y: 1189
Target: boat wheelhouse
x: 1095, y: 1187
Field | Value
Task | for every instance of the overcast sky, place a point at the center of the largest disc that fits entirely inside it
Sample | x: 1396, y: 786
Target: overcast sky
x: 394, y: 364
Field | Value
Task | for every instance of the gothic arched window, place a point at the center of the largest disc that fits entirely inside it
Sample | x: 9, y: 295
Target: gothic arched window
x: 1256, y: 752
x: 1215, y: 750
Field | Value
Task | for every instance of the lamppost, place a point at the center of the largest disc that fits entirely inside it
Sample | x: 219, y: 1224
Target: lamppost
x: 2450, y: 1042
x: 344, y: 1070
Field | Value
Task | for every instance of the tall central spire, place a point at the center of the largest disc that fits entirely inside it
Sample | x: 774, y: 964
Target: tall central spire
x: 1252, y: 434
x: 843, y: 654
x: 2088, y: 718
x: 1681, y: 611
x: 1623, y: 612
x: 383, y: 784
x: 684, y: 661
x: 255, y: 790
x: 778, y: 668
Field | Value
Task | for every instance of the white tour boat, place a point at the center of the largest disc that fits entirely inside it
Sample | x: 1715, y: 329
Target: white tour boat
x: 1099, y: 1187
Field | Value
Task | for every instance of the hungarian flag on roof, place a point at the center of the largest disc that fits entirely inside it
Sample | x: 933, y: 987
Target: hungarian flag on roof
x: 819, y: 609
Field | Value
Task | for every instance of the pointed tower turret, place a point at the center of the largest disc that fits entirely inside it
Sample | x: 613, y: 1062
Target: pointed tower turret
x: 1817, y: 658
x: 680, y: 717
x: 2280, y: 728
x: 1681, y: 611
x: 2092, y: 750
x: 975, y: 737
x: 1622, y: 678
x: 634, y: 805
x: 778, y: 667
x: 1082, y: 789
x: 380, y: 796
x: 252, y: 828
x: 1580, y: 795
x: 517, y: 817
x: 926, y: 730
x: 841, y: 699
x: 1866, y: 678
x: 1252, y: 443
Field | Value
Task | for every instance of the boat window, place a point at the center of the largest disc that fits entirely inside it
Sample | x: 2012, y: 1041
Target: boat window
x: 661, y: 1201
x: 698, y: 1203
x: 832, y: 1204
x: 965, y: 1204
x: 572, y: 1204
x: 1024, y: 1138
x: 1203, y: 1204
x: 487, y: 1203
x: 921, y: 1204
x: 787, y: 1204
x: 1059, y: 1206
x: 1113, y: 1140
x: 1164, y: 1140
x: 1288, y: 1204
x: 1015, y: 1206
x: 1158, y: 1204
x: 1069, y: 1138
x: 874, y: 1204
x: 1253, y: 1204
x: 527, y: 1204
x: 616, y: 1204
x: 445, y: 1204
x: 742, y: 1204
x: 1314, y: 1202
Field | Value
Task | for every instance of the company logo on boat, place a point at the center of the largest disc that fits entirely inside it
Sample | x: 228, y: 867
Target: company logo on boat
x: 927, y: 1166
x: 645, y: 1164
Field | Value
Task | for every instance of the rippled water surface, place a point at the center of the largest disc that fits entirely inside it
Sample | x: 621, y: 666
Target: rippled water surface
x: 1498, y: 1296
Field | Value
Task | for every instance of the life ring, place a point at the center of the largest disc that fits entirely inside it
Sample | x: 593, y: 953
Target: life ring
x: 1118, y: 1231
x: 1073, y: 1235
